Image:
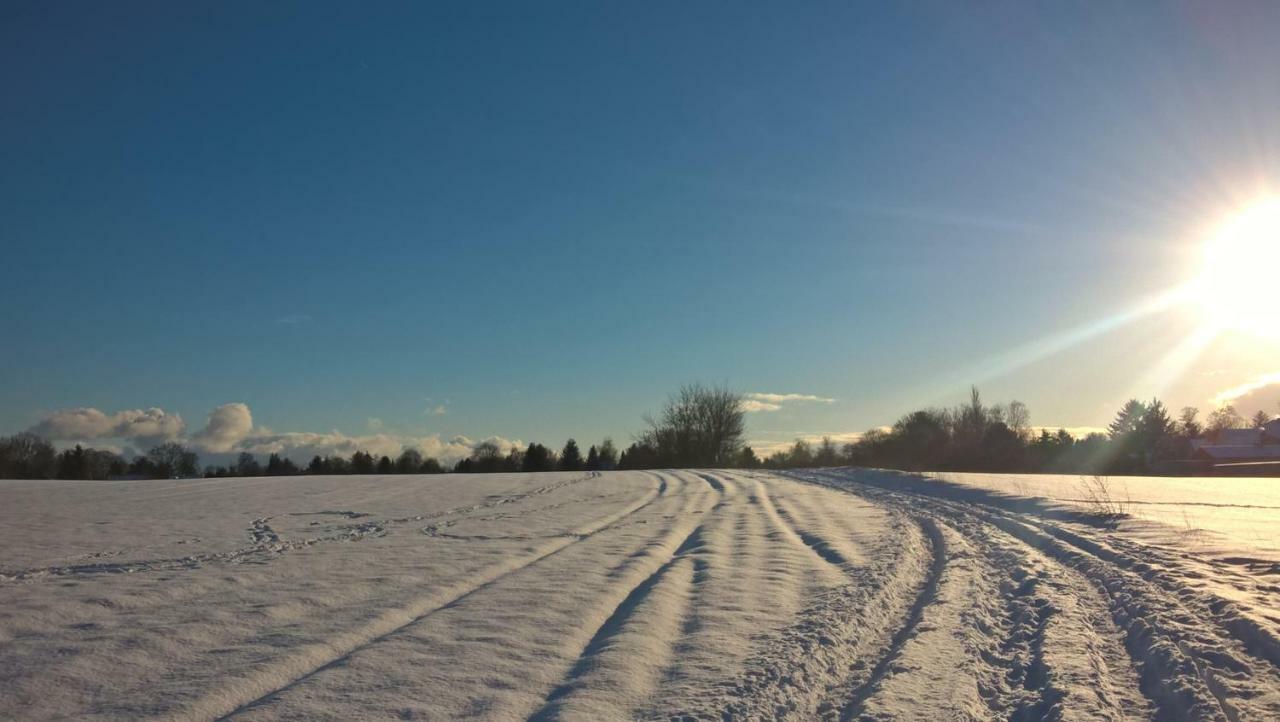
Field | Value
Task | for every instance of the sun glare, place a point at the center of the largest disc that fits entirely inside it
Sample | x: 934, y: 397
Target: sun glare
x: 1237, y: 284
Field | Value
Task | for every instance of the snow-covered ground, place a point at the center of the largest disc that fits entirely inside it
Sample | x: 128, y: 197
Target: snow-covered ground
x: 1218, y: 516
x: 840, y: 594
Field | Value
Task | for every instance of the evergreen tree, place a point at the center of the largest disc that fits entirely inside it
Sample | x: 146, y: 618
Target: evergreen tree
x: 537, y: 458
x: 275, y: 466
x: 410, y: 462
x: 571, y: 457
x: 362, y: 463
x: 1156, y: 423
x: 1128, y: 420
x: 1260, y: 419
x: 72, y: 464
x: 1188, y: 425
x: 247, y: 465
x: 385, y: 465
x: 608, y: 455
x: 593, y: 459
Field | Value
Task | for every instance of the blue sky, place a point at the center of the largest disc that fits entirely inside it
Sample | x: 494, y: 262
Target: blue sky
x: 480, y: 219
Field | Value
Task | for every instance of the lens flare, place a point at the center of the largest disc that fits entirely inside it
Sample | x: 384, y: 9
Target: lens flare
x: 1236, y: 289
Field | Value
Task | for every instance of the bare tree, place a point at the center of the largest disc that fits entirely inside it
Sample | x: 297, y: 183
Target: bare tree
x: 826, y: 454
x: 27, y: 456
x: 1018, y: 419
x: 486, y: 457
x: 172, y: 459
x: 1224, y: 418
x: 699, y: 426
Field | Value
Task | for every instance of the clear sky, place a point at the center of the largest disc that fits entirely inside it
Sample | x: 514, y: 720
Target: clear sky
x: 424, y: 219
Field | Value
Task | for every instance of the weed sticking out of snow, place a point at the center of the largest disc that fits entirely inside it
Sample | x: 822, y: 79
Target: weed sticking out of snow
x: 1103, y: 499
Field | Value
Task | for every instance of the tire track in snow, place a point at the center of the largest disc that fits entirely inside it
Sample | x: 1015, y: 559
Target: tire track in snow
x: 1112, y: 695
x: 1191, y: 669
x: 268, y: 543
x: 967, y: 612
x: 783, y: 521
x: 247, y: 692
x: 750, y: 655
x: 860, y: 694
x: 673, y: 580
x: 805, y: 671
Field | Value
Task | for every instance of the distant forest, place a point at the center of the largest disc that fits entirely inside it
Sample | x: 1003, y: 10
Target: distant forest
x: 704, y: 427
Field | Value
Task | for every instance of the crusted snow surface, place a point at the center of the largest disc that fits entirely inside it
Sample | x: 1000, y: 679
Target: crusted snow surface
x: 672, y: 595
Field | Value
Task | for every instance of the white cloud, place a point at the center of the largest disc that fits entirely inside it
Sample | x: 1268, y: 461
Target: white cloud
x: 758, y: 401
x: 230, y: 430
x: 147, y: 426
x: 1260, y: 394
x: 228, y: 425
x: 301, y: 445
x: 437, y: 410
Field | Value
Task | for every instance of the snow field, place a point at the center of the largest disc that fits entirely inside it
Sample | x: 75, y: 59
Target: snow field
x: 685, y: 595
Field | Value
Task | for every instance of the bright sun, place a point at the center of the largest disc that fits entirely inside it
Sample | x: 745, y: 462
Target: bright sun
x: 1238, y: 285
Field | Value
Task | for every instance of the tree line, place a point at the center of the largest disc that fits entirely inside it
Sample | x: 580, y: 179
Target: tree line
x: 698, y: 427
x: 1144, y: 438
x: 28, y: 456
x: 487, y: 457
x: 703, y: 427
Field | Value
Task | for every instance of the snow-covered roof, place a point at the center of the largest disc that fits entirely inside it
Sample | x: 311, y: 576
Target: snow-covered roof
x: 1238, y: 437
x: 1220, y: 452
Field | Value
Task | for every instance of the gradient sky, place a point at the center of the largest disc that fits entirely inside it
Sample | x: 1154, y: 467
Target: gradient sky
x: 498, y: 220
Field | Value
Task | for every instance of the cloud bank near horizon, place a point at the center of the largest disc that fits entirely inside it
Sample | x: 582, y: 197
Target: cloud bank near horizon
x: 229, y: 429
x: 141, y: 426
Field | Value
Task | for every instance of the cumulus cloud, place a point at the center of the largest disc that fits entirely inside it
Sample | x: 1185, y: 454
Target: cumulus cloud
x: 146, y: 426
x: 1260, y: 394
x: 758, y: 401
x: 302, y: 445
x: 230, y: 430
x: 228, y: 425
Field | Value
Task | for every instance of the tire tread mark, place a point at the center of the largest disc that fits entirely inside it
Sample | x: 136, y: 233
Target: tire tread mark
x: 214, y: 706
